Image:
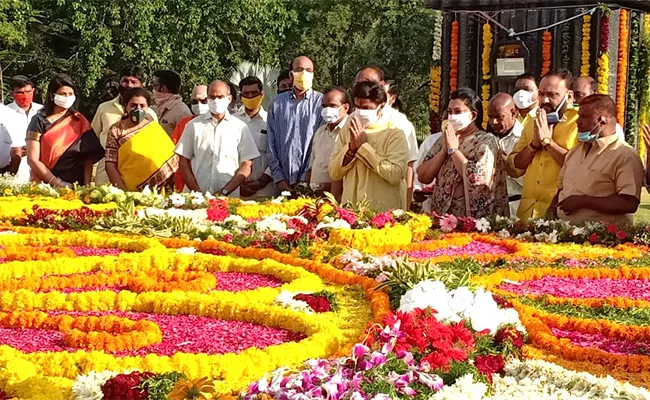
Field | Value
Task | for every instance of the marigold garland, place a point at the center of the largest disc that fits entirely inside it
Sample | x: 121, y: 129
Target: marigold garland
x: 586, y: 39
x: 436, y: 67
x: 547, y: 41
x: 486, y: 69
x: 453, y: 63
x: 623, y: 57
x: 603, y: 56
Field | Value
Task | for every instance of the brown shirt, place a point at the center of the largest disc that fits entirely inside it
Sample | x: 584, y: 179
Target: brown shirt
x: 611, y: 167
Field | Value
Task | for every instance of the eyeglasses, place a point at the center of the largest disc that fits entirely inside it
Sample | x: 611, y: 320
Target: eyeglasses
x: 202, y: 101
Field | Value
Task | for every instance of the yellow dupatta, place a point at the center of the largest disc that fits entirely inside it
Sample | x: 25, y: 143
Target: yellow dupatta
x: 143, y: 154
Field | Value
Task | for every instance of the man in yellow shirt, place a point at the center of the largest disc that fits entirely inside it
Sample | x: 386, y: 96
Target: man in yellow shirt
x: 526, y: 98
x: 540, y: 152
x: 111, y: 112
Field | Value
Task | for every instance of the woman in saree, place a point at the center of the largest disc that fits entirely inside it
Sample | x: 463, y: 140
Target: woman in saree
x: 139, y: 152
x: 61, y: 144
x: 469, y: 173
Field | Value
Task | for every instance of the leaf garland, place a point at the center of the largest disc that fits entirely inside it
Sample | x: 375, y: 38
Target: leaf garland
x: 632, y: 109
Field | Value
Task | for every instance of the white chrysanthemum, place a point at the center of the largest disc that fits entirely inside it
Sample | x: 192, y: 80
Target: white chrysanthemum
x: 177, y: 200
x: 89, y: 386
x: 482, y: 225
x: 286, y: 300
x: 186, y: 250
x: 272, y: 223
x: 463, y: 389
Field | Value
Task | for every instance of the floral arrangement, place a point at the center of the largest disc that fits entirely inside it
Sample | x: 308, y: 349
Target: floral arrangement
x: 436, y: 64
x: 623, y: 56
x: 603, y: 55
x: 585, y: 51
x: 486, y: 67
x: 547, y: 44
x: 453, y: 63
x: 632, y: 96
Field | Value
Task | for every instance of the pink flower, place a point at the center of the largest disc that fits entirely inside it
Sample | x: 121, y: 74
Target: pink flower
x: 347, y: 216
x: 382, y: 220
x: 448, y: 223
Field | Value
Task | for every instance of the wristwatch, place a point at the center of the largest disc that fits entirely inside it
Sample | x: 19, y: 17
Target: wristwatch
x: 224, y: 192
x: 546, y: 141
x: 451, y: 151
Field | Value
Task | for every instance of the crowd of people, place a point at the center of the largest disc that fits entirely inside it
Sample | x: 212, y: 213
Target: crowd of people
x: 552, y: 148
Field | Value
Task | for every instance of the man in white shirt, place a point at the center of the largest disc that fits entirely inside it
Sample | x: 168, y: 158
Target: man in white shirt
x: 502, y: 122
x: 22, y: 90
x: 376, y: 75
x: 216, y: 149
x: 336, y: 105
x: 8, y: 122
x: 259, y: 183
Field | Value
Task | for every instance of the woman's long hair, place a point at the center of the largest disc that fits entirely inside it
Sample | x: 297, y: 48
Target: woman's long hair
x: 472, y: 101
x: 57, y: 82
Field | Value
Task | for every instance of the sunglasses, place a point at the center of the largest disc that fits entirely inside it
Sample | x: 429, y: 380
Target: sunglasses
x: 197, y: 101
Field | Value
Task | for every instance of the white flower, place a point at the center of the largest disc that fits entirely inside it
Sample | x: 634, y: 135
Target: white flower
x: 209, y: 196
x: 272, y: 223
x: 547, y: 237
x: 463, y: 389
x: 541, y: 222
x: 236, y: 220
x: 146, y: 191
x: 504, y: 234
x: 286, y: 300
x: 197, y: 198
x: 186, y: 250
x: 398, y: 213
x: 483, y: 225
x: 177, y: 200
x: 285, y: 193
x: 89, y: 386
x: 333, y: 224
x: 578, y: 231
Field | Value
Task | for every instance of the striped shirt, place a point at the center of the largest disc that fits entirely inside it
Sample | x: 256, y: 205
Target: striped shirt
x: 291, y: 126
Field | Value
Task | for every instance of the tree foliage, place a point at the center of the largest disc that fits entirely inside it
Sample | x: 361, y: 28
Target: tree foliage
x: 206, y: 39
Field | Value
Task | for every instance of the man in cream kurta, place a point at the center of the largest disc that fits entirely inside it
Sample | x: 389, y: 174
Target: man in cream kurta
x: 377, y: 170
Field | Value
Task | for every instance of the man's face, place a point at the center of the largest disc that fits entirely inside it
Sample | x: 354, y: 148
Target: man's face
x: 501, y: 118
x: 302, y: 64
x: 588, y: 119
x: 200, y: 94
x: 581, y: 89
x: 25, y: 90
x: 528, y: 85
x: 552, y: 92
x: 334, y: 99
x: 284, y: 85
x: 130, y: 82
x: 219, y: 91
x: 367, y: 75
x: 250, y: 91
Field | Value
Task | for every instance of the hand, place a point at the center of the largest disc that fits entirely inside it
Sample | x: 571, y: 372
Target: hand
x: 61, y: 183
x: 571, y: 204
x: 542, y: 130
x: 23, y: 151
x: 249, y: 188
x: 419, y: 196
x: 284, y: 186
x: 451, y: 138
x: 355, y: 130
x: 646, y: 137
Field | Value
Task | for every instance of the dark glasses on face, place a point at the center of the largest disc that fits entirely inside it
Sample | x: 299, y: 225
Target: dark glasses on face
x: 197, y: 101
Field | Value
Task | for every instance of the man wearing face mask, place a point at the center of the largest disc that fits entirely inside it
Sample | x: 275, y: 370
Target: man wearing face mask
x: 502, y: 122
x: 602, y: 176
x: 376, y: 75
x: 169, y: 103
x: 336, y: 106
x: 526, y: 97
x: 539, y: 154
x: 216, y: 149
x: 199, y: 107
x: 259, y: 183
x: 284, y: 81
x: 584, y: 87
x: 22, y: 90
x: 111, y: 112
x: 293, y: 119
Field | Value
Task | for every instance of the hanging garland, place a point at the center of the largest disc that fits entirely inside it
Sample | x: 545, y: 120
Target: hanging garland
x: 547, y: 42
x: 566, y: 46
x: 603, y: 56
x: 586, y: 38
x: 485, y: 68
x: 623, y: 56
x: 632, y: 116
x: 644, y: 91
x: 453, y: 67
x: 436, y: 65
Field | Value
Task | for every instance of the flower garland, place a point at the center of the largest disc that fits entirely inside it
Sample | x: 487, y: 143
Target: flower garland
x: 644, y: 87
x: 436, y: 64
x: 453, y: 64
x: 586, y: 39
x: 547, y: 42
x: 486, y: 69
x: 632, y: 95
x: 623, y: 57
x: 603, y: 55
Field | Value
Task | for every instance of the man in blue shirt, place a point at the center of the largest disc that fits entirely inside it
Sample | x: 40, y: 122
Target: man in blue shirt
x: 292, y: 120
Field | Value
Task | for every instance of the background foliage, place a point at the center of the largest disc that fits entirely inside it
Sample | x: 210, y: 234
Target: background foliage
x: 207, y: 39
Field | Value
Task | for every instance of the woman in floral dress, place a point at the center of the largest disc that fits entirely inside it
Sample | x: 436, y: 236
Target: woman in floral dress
x: 469, y: 174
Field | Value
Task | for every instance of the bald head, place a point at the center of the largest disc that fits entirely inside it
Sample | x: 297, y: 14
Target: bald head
x: 370, y: 73
x: 584, y: 87
x: 217, y: 84
x: 302, y: 63
x: 200, y: 92
x: 502, y: 114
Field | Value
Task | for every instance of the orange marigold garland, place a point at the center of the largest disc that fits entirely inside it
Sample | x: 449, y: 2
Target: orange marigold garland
x: 436, y: 66
x: 486, y: 69
x: 586, y: 38
x: 623, y: 57
x: 453, y: 65
x: 547, y: 41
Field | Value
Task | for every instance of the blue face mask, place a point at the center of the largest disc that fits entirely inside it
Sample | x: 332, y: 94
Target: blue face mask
x: 554, y: 117
x: 590, y: 136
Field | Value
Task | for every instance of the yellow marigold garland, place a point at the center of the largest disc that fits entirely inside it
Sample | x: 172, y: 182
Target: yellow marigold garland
x: 623, y: 60
x: 12, y: 207
x: 260, y: 210
x: 603, y: 56
x: 486, y: 69
x: 586, y: 39
x: 547, y: 44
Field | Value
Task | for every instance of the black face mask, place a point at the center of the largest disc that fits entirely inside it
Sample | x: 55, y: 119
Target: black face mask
x: 122, y: 90
x: 282, y: 91
x: 137, y: 115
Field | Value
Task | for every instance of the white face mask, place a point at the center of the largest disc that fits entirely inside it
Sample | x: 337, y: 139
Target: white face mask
x: 523, y: 99
x: 219, y: 106
x: 367, y: 117
x: 64, y: 101
x: 460, y: 121
x: 200, y: 108
x: 330, y: 114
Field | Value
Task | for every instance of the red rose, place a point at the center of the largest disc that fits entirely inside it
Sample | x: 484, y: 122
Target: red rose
x: 621, y: 235
x: 124, y: 387
x: 469, y: 225
x: 490, y: 364
x: 611, y: 228
x: 319, y: 304
x: 510, y: 334
x: 593, y: 238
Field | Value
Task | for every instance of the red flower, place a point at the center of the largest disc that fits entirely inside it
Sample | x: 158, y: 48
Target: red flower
x: 621, y: 235
x: 510, y: 334
x: 502, y: 302
x: 469, y: 225
x: 319, y: 304
x: 382, y: 219
x: 611, y: 228
x: 490, y: 364
x: 217, y: 215
x: 437, y: 361
x: 3, y: 395
x: 593, y: 238
x: 124, y: 387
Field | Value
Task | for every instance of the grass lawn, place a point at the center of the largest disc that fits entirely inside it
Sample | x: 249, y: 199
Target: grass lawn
x: 643, y: 214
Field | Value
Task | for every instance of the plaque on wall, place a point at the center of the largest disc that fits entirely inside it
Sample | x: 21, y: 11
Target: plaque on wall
x: 511, y: 57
